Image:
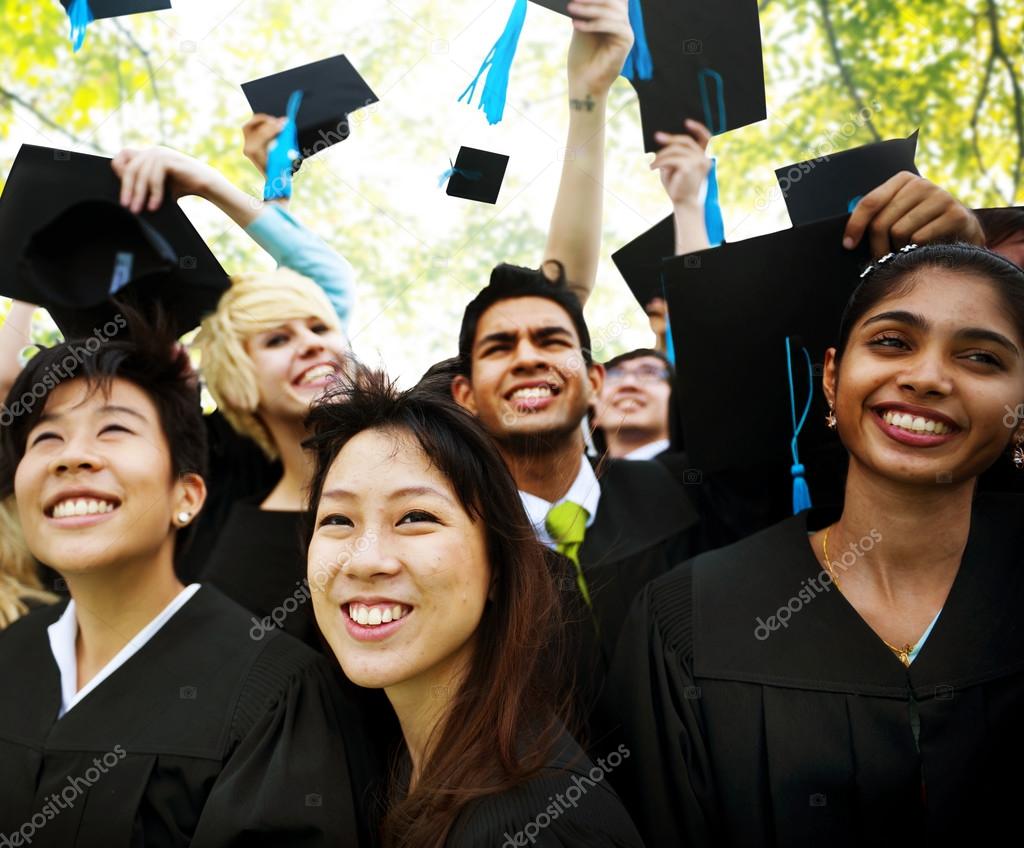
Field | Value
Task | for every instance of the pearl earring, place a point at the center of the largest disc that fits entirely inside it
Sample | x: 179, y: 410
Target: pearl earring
x: 184, y: 517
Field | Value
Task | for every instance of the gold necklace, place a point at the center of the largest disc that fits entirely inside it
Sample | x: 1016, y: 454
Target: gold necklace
x: 903, y: 654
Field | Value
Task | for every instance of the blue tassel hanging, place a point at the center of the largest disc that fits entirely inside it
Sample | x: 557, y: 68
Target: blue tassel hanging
x: 801, y: 492
x: 713, y: 209
x: 639, y: 64
x: 472, y: 176
x: 706, y: 77
x: 283, y: 153
x: 498, y: 66
x: 80, y: 16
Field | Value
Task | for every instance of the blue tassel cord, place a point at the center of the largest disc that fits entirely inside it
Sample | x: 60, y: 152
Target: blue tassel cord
x: 472, y: 176
x: 705, y: 78
x: 639, y: 64
x: 498, y: 66
x: 80, y: 16
x: 283, y: 153
x: 801, y: 492
x: 712, y: 209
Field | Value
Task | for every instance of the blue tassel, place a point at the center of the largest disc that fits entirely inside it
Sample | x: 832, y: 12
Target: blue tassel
x: 283, y: 153
x: 705, y: 76
x: 713, y: 210
x: 472, y: 176
x: 498, y: 66
x: 853, y: 203
x: 801, y: 492
x: 670, y: 346
x: 80, y: 16
x: 639, y: 64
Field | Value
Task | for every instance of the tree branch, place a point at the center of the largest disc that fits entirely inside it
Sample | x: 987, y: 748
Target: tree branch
x: 16, y: 99
x: 1018, y: 96
x: 844, y: 72
x: 144, y: 53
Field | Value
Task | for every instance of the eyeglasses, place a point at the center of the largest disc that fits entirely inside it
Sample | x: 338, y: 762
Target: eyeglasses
x: 642, y: 374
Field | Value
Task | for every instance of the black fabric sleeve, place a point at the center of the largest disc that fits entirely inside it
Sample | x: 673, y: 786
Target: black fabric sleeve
x: 286, y: 780
x: 666, y: 781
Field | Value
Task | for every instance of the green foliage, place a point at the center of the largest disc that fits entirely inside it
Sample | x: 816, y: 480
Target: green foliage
x: 840, y: 73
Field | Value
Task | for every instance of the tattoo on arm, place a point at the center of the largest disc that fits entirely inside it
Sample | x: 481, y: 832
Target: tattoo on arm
x: 582, y: 105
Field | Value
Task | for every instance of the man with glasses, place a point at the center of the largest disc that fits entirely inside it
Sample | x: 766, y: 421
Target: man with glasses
x: 633, y: 407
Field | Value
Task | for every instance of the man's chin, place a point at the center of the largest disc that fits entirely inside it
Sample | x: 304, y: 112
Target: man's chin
x: 540, y: 438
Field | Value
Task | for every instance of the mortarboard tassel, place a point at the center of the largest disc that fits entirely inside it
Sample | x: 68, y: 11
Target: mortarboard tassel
x: 498, y: 66
x: 472, y: 176
x: 80, y: 16
x: 639, y: 63
x: 801, y: 492
x: 713, y: 209
x: 705, y: 76
x: 283, y: 153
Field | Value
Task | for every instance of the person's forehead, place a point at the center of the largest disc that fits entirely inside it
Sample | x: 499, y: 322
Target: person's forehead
x: 523, y: 314
x: 84, y: 397
x: 640, y: 362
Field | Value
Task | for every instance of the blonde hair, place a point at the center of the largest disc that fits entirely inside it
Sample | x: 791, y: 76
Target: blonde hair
x: 254, y: 304
x: 19, y: 577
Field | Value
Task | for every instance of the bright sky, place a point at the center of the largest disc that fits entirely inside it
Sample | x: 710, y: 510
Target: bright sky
x: 448, y: 47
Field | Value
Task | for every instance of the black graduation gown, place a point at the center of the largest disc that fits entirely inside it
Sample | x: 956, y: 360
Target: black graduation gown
x: 569, y: 804
x: 205, y: 737
x: 237, y: 469
x: 811, y: 732
x: 645, y: 525
x: 259, y: 561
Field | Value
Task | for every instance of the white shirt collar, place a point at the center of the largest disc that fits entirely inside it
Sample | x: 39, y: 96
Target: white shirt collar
x: 64, y: 631
x: 585, y: 491
x: 649, y: 451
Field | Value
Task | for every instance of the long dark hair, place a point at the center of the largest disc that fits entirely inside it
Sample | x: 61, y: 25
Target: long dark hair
x: 510, y: 695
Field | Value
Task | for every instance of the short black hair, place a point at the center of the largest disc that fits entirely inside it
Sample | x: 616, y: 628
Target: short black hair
x: 640, y: 353
x: 513, y: 281
x: 1000, y: 224
x: 145, y: 355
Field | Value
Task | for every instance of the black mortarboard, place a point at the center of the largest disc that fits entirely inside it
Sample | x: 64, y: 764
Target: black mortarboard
x: 831, y: 185
x: 640, y: 262
x: 477, y: 175
x: 560, y: 6
x: 120, y: 8
x: 707, y: 66
x: 67, y: 244
x: 732, y: 308
x: 331, y: 90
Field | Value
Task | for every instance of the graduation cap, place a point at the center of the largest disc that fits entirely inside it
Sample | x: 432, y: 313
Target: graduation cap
x: 707, y: 66
x: 832, y: 185
x: 498, y: 63
x: 331, y: 90
x: 81, y: 13
x: 733, y: 308
x: 476, y: 175
x: 68, y: 245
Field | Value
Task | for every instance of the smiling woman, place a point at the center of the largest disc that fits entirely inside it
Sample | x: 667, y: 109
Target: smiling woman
x: 160, y: 683
x: 892, y: 704
x: 430, y: 584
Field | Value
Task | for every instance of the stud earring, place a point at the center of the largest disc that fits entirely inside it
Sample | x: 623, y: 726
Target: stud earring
x: 184, y: 518
x: 830, y: 419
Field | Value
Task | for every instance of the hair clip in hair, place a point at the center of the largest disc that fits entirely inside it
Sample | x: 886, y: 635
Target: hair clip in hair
x: 907, y: 248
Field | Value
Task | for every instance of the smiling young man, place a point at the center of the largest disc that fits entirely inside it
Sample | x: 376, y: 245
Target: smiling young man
x: 527, y: 374
x: 141, y: 710
x: 633, y: 407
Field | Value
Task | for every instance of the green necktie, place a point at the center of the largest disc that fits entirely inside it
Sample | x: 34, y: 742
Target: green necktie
x: 567, y: 524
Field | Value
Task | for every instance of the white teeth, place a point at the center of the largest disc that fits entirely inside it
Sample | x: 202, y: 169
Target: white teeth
x: 533, y: 392
x: 915, y: 424
x: 317, y: 373
x: 373, y: 616
x: 81, y: 506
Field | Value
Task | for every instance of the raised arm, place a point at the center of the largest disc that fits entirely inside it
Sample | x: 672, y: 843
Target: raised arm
x: 683, y: 166
x: 601, y: 40
x: 15, y: 333
x: 148, y: 176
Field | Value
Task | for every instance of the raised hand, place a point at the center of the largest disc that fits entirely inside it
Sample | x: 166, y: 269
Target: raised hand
x: 260, y: 132
x: 601, y: 40
x: 682, y: 162
x: 147, y: 176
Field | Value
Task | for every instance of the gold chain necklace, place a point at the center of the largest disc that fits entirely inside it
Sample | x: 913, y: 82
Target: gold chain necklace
x: 903, y: 654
